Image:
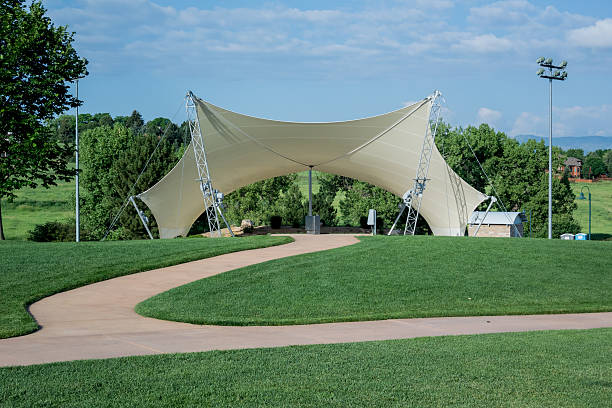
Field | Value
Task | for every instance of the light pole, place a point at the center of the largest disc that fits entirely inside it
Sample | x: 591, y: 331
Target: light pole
x: 558, y: 74
x: 76, y: 138
x: 581, y: 197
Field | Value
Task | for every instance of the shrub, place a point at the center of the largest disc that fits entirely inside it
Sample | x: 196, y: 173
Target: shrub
x: 54, y: 231
x: 276, y: 221
x: 363, y: 222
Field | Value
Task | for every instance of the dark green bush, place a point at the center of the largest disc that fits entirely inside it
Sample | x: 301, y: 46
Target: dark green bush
x: 54, y: 231
x: 276, y: 221
x: 363, y: 222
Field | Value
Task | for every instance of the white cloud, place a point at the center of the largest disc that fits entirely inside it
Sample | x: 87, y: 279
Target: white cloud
x: 567, y: 121
x: 486, y: 43
x: 489, y: 116
x: 514, y: 11
x: 361, y: 41
x: 595, y: 36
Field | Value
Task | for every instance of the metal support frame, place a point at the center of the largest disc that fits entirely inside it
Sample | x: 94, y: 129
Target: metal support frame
x: 412, y: 198
x: 143, y: 218
x: 493, y: 200
x: 212, y: 198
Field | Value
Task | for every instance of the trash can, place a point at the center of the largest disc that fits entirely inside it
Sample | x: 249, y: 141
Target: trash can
x: 580, y: 237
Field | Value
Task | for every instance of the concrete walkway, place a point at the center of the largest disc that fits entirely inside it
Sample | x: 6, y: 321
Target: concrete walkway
x: 98, y: 320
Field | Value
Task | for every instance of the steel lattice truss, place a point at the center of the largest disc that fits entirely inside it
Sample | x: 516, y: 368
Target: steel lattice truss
x: 211, y: 196
x: 413, y: 198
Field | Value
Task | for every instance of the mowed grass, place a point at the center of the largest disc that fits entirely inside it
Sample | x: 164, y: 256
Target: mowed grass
x: 37, y: 206
x: 601, y: 209
x: 401, y: 277
x: 537, y: 369
x: 31, y: 271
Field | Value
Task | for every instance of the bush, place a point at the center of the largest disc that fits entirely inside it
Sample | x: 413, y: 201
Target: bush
x: 380, y: 223
x: 363, y: 222
x: 276, y: 221
x: 54, y: 231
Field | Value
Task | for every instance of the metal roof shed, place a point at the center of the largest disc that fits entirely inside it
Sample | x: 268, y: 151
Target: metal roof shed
x: 497, y: 224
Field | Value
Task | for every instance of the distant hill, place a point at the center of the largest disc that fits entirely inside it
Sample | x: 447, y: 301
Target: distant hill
x: 587, y: 143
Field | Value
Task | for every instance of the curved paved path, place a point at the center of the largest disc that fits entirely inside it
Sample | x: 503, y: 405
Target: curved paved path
x: 98, y: 320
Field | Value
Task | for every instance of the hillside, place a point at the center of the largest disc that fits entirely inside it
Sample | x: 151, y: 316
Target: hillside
x: 37, y: 206
x: 587, y: 143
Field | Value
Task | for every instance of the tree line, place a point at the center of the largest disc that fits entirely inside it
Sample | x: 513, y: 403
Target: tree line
x: 114, y: 150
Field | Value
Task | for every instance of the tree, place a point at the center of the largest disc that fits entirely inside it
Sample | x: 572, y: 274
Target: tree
x: 577, y: 153
x: 517, y: 173
x: 593, y: 165
x: 37, y: 61
x: 135, y: 121
x: 257, y: 201
x: 362, y: 196
x: 608, y: 161
x: 322, y: 201
x: 113, y: 157
x: 292, y: 207
x: 63, y: 128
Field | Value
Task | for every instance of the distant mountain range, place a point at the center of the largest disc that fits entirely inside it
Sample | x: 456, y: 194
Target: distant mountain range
x: 587, y: 143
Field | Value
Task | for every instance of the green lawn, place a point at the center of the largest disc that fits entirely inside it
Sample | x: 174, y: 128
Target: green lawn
x: 401, y: 277
x: 31, y: 271
x: 537, y: 369
x: 601, y: 208
x: 36, y: 206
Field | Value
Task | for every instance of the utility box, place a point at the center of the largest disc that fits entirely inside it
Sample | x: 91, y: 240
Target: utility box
x: 569, y: 237
x: 313, y: 224
x: 580, y: 237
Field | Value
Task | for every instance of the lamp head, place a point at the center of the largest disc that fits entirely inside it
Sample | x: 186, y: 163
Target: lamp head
x: 540, y: 72
x: 563, y: 75
x: 548, y: 61
x: 540, y: 60
x: 581, y: 196
x: 563, y: 64
x: 557, y: 73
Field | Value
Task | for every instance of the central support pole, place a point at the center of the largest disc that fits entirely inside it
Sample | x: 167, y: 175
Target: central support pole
x: 313, y: 224
x: 310, y: 191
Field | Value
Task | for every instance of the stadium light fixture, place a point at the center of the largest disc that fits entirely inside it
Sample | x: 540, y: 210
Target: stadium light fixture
x: 559, y: 73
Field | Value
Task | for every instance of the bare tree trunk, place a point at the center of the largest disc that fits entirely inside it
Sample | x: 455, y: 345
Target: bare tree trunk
x: 1, y: 229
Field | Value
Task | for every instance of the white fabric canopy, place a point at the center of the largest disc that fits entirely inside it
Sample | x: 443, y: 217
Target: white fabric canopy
x: 382, y: 150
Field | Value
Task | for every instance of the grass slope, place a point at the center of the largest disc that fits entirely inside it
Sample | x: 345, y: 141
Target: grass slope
x: 537, y: 369
x: 36, y: 206
x: 399, y: 277
x: 31, y: 271
x: 601, y: 209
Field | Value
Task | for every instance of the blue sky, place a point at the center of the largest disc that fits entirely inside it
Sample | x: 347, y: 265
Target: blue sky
x: 340, y: 60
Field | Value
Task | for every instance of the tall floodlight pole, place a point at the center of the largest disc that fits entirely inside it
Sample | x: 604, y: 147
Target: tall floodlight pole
x: 76, y: 138
x: 559, y: 74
